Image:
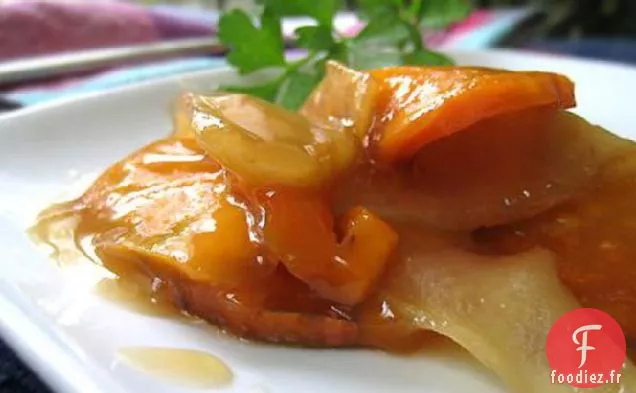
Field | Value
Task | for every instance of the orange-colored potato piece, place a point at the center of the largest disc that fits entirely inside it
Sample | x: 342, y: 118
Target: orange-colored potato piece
x: 299, y: 230
x: 366, y: 246
x: 278, y: 308
x: 418, y: 105
x: 169, y: 204
x: 170, y: 218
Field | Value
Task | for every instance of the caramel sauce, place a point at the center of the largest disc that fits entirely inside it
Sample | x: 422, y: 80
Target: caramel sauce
x: 57, y: 230
x: 57, y: 234
x: 168, y: 214
x: 137, y: 298
x: 135, y: 293
x: 186, y: 367
x: 169, y: 224
x: 180, y: 231
x: 593, y: 237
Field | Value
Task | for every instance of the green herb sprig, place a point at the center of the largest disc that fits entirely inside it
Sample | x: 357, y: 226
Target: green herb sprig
x: 392, y: 36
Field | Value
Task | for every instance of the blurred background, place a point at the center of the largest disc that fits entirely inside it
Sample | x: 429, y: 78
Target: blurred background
x: 51, y: 50
x: 59, y: 48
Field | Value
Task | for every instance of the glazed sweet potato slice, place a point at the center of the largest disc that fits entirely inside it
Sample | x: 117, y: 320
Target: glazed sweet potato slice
x: 417, y: 105
x: 275, y: 308
x: 300, y: 230
x: 168, y: 215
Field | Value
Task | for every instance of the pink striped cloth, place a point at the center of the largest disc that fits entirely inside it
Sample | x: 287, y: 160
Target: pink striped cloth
x: 34, y: 28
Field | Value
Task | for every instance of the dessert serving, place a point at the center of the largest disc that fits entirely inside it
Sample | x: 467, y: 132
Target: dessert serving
x: 396, y: 205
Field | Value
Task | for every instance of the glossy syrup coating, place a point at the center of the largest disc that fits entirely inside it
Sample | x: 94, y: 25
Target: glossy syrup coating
x: 277, y: 264
x: 168, y: 217
x: 418, y: 105
x: 262, y: 264
x: 593, y: 237
x: 306, y: 262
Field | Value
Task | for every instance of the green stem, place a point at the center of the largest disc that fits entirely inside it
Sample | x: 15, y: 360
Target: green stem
x: 296, y: 65
x: 410, y: 17
x: 416, y: 36
x: 414, y: 9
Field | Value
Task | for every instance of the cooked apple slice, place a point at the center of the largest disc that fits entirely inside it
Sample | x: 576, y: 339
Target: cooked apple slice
x: 499, y: 308
x: 500, y: 170
x: 593, y: 238
x: 345, y: 97
x: 268, y: 145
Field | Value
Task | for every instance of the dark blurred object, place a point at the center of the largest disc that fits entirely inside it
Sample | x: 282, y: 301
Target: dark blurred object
x: 15, y: 377
x: 579, y: 18
x: 623, y: 51
x: 594, y: 29
x: 7, y: 105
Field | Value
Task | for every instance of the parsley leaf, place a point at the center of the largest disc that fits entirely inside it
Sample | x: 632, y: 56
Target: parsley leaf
x: 252, y: 48
x: 267, y: 91
x: 381, y: 30
x: 392, y: 37
x: 323, y: 11
x: 295, y: 89
x: 314, y: 37
x: 439, y: 14
x: 427, y: 57
x: 362, y: 58
x: 373, y: 8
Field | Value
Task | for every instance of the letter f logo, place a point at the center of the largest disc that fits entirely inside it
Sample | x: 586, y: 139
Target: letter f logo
x: 583, y: 343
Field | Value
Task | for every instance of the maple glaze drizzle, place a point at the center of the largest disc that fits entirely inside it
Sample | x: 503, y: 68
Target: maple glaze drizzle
x: 183, y: 366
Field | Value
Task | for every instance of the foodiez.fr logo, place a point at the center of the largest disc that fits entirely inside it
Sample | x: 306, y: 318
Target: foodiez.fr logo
x: 586, y: 348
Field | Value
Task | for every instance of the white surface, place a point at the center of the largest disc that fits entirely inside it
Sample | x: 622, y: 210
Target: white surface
x: 70, y: 335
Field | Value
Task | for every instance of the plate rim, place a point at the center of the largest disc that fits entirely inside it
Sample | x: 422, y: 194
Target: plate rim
x: 62, y: 369
x: 215, y: 72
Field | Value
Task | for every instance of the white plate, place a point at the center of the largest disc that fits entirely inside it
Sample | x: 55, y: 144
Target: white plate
x: 70, y: 336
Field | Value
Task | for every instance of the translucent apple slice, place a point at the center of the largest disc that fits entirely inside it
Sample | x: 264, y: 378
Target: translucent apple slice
x: 498, y: 171
x: 268, y: 145
x: 499, y: 308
